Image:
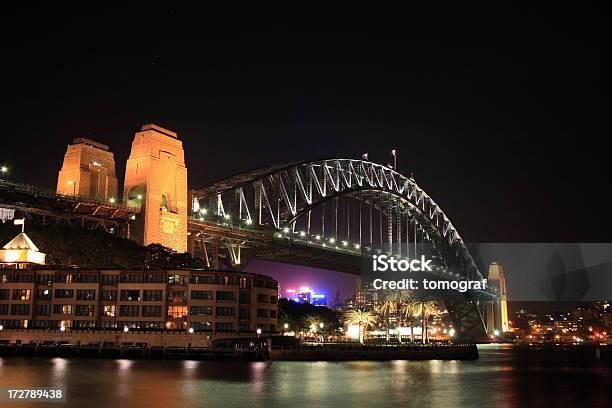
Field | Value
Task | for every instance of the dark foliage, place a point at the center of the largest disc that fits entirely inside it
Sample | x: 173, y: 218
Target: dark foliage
x: 69, y: 245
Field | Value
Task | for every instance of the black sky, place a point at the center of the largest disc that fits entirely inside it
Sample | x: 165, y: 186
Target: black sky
x: 498, y: 112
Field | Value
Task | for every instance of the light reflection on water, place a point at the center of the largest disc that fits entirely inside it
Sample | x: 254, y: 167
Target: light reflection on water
x: 497, y: 379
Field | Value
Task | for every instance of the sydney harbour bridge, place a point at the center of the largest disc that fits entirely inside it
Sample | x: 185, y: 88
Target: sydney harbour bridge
x: 329, y: 214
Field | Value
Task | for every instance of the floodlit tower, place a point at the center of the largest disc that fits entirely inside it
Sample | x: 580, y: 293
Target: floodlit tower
x: 88, y: 171
x: 156, y: 182
x: 498, y: 316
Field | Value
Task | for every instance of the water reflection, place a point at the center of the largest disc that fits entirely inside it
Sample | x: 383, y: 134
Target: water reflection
x: 499, y: 378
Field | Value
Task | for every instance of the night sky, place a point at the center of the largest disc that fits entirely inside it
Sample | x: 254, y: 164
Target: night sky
x: 496, y: 111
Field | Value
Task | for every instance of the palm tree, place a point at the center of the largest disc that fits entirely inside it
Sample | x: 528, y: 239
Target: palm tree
x: 393, y: 304
x: 411, y: 309
x: 311, y: 322
x: 426, y: 308
x: 361, y: 317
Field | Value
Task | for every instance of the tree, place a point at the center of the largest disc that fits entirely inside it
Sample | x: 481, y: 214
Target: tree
x: 361, y: 317
x: 411, y: 309
x: 426, y: 308
x: 392, y: 305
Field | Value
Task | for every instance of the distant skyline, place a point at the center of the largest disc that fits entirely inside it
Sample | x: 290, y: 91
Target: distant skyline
x: 294, y: 276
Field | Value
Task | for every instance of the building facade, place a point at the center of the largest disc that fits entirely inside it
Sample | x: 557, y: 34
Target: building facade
x: 215, y: 302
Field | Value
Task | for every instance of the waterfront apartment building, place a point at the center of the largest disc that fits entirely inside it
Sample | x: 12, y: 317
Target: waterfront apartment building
x: 215, y: 302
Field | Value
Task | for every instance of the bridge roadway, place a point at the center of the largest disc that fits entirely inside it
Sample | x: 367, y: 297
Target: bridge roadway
x: 45, y: 206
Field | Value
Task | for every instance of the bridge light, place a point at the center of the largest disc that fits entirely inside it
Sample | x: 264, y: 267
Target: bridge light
x: 357, y: 246
x: 203, y: 211
x: 496, y: 332
x: 249, y: 221
x: 344, y: 243
x: 302, y: 234
x: 112, y: 200
x: 4, y: 169
x: 317, y: 237
x: 278, y: 234
x: 226, y: 216
x: 286, y: 230
x: 332, y: 240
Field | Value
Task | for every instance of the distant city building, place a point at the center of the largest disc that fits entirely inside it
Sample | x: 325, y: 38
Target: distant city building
x: 88, y: 171
x: 359, y: 293
x: 498, y: 317
x: 306, y: 295
x: 365, y: 294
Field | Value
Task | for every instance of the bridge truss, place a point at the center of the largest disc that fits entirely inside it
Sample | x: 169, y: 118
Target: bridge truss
x: 330, y: 214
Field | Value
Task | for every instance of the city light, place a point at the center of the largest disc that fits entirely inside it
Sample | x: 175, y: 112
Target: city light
x: 125, y: 329
x: 286, y: 230
x: 112, y: 200
x: 190, y: 330
x: 4, y: 169
x: 226, y: 216
x: 249, y: 221
x: 62, y: 328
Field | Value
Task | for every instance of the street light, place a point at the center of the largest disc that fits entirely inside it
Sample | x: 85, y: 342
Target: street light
x: 73, y: 184
x: 1, y: 327
x: 286, y: 326
x: 190, y: 330
x: 321, y: 325
x: 62, y: 328
x: 4, y: 169
x: 112, y: 200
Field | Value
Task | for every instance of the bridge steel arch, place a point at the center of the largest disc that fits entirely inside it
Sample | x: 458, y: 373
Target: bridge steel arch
x: 262, y: 211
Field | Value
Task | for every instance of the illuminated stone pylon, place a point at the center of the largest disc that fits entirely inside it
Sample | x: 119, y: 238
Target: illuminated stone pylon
x: 88, y: 171
x: 156, y: 182
x: 498, y: 316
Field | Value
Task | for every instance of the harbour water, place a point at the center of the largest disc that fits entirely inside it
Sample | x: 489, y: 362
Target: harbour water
x: 499, y: 378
